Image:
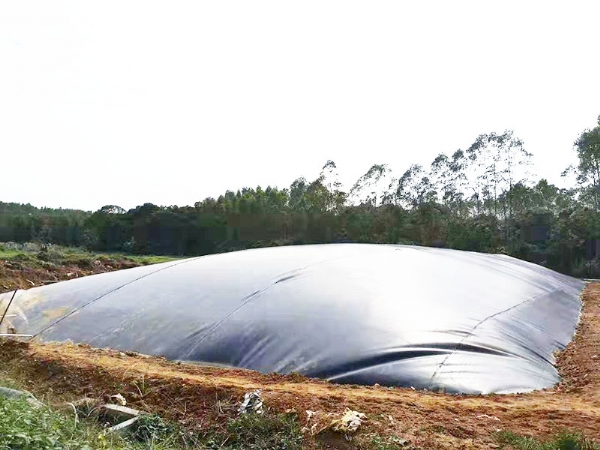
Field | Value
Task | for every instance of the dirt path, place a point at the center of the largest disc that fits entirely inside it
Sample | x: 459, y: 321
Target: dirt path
x: 198, y: 395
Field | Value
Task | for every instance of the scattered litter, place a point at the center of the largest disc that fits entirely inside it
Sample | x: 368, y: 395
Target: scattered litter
x: 84, y: 406
x: 398, y: 441
x: 119, y: 399
x: 485, y: 416
x: 313, y: 429
x: 252, y: 403
x: 119, y: 411
x: 123, y: 425
x: 349, y: 422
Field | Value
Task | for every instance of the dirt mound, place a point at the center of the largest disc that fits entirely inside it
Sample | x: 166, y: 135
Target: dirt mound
x: 15, y: 274
x: 199, y: 395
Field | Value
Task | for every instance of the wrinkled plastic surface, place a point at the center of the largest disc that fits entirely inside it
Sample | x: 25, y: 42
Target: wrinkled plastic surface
x: 354, y: 313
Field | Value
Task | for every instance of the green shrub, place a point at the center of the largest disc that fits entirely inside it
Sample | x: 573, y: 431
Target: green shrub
x: 23, y: 427
x: 257, y: 432
x: 51, y: 255
x: 27, y: 428
x: 563, y: 441
x: 265, y: 431
x: 154, y: 429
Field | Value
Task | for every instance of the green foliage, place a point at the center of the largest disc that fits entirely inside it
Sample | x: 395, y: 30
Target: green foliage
x: 49, y: 256
x: 263, y: 431
x: 153, y: 428
x: 27, y: 428
x: 478, y: 199
x: 147, y: 260
x: 564, y: 441
x: 588, y: 168
x: 378, y: 442
x: 23, y: 427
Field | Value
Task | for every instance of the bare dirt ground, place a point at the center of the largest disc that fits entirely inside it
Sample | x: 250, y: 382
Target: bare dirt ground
x: 197, y: 395
x: 21, y: 275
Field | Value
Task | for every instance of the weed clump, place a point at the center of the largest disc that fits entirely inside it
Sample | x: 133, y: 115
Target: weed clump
x: 273, y: 431
x: 24, y: 427
x: 564, y: 441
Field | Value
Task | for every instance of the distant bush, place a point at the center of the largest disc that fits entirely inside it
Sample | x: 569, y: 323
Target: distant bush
x: 51, y: 255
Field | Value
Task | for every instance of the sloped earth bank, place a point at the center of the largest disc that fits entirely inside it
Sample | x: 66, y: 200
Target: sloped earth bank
x: 23, y: 275
x: 199, y: 396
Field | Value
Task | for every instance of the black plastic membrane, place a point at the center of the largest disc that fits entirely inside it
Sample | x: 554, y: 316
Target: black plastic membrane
x: 428, y: 318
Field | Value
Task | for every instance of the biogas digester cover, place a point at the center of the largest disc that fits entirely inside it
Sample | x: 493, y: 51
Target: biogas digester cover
x: 428, y: 318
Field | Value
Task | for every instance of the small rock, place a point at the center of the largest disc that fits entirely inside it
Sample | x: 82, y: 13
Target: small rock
x: 15, y: 394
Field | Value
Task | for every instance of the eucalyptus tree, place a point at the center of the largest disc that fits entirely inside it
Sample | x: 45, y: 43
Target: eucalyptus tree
x: 587, y: 169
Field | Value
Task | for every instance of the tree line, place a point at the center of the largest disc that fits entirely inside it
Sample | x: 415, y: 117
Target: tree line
x: 483, y: 198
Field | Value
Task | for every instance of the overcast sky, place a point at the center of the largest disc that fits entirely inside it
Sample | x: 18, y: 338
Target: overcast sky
x: 170, y: 102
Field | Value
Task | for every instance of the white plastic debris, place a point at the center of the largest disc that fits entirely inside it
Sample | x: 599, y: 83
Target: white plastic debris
x: 252, y: 403
x: 119, y: 399
x: 485, y: 416
x: 349, y: 422
x: 123, y: 425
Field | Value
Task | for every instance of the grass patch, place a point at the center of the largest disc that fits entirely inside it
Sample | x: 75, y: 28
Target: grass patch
x: 10, y: 254
x: 262, y: 431
x: 145, y: 260
x: 377, y: 442
x: 25, y: 427
x: 35, y: 255
x: 28, y: 428
x: 269, y: 431
x: 563, y: 441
